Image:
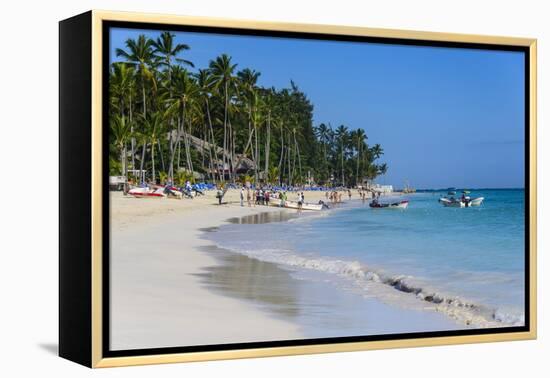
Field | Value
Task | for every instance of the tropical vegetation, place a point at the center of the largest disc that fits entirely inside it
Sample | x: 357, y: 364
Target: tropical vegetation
x: 171, y: 121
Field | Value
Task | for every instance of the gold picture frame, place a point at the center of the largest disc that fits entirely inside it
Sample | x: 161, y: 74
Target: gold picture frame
x: 93, y: 263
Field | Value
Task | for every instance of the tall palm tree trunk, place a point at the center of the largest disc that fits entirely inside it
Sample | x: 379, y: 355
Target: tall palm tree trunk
x: 187, y: 151
x: 178, y: 161
x: 174, y: 145
x: 297, y: 152
x: 142, y: 162
x: 213, y: 140
x: 143, y: 98
x: 161, y: 157
x: 281, y: 173
x: 153, y: 160
x: 289, y: 162
x: 231, y: 148
x: 358, y: 160
x: 123, y: 163
x: 256, y: 155
x: 267, y: 142
x: 342, y: 161
x: 225, y: 126
x: 133, y: 139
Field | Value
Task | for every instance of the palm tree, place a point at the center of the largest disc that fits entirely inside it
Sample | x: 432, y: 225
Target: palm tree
x: 324, y: 134
x: 166, y: 51
x: 184, y: 90
x: 359, y: 137
x: 153, y: 126
x: 222, y: 71
x: 295, y: 129
x: 121, y: 132
x: 122, y: 83
x: 257, y: 118
x: 272, y: 175
x: 382, y: 169
x: 196, y: 110
x: 140, y: 55
x: 377, y: 151
x: 247, y: 84
x: 164, y: 46
x: 269, y: 103
x: 342, y: 136
x: 205, y: 82
x: 248, y: 79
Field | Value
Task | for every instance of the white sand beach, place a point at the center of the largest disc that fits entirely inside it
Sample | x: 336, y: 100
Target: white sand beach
x: 159, y: 298
x: 156, y: 301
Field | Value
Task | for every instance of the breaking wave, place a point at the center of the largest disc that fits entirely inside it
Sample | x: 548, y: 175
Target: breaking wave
x: 368, y: 279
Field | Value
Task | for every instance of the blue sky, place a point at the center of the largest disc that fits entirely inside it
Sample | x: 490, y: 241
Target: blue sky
x: 445, y: 117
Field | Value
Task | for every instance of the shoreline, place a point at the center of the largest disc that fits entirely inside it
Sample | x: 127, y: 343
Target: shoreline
x: 157, y: 299
x: 163, y: 292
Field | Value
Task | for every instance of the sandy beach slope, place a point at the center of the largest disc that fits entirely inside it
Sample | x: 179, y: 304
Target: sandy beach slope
x: 157, y: 299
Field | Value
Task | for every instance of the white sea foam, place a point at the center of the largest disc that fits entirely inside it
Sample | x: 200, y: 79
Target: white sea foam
x: 367, y: 279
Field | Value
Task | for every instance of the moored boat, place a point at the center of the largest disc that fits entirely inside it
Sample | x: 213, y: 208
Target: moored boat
x: 395, y: 205
x: 476, y: 201
x: 466, y: 202
x: 147, y: 192
x: 304, y: 206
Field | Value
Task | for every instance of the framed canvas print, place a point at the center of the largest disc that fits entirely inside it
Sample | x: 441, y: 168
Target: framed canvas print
x: 259, y: 189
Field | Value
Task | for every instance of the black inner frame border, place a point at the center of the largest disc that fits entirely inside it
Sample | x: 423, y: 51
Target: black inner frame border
x: 107, y: 25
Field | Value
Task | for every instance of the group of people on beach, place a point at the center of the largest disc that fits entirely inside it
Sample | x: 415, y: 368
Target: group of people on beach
x: 333, y: 196
x: 363, y: 195
x: 255, y: 197
x: 264, y: 197
x: 336, y: 197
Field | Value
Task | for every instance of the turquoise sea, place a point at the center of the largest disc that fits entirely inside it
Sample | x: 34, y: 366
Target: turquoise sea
x: 466, y: 263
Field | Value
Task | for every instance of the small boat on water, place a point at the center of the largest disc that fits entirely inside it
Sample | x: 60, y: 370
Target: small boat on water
x: 476, y: 201
x: 466, y: 202
x: 304, y: 206
x: 395, y: 205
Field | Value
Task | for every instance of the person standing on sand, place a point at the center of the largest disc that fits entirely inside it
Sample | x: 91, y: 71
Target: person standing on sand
x: 300, y: 202
x: 282, y: 197
x: 219, y: 195
x: 266, y: 197
x: 248, y: 197
x: 349, y: 194
x: 242, y: 197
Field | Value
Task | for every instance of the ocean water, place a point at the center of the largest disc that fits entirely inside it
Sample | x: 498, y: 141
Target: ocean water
x: 466, y: 263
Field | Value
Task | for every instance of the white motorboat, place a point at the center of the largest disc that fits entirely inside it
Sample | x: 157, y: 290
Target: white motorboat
x: 395, y: 205
x: 304, y: 206
x: 466, y: 202
x: 476, y: 201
